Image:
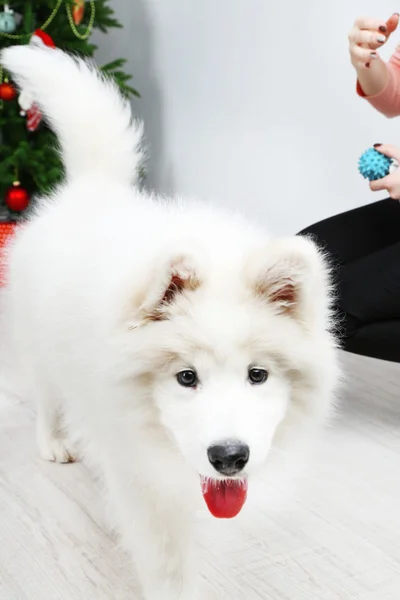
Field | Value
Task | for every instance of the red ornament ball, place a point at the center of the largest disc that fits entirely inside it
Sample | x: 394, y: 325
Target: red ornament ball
x: 7, y: 91
x: 17, y: 198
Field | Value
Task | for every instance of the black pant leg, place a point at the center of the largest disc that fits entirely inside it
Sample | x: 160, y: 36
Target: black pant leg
x: 356, y: 233
x: 369, y: 288
x: 364, y: 245
x: 377, y: 340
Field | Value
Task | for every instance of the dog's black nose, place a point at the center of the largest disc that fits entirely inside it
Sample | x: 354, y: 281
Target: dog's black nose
x: 229, y: 458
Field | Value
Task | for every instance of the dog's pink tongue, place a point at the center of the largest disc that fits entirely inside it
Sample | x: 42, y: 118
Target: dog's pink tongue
x: 224, y: 498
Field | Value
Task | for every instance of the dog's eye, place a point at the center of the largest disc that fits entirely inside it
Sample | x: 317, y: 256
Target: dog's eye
x: 187, y: 378
x: 257, y: 376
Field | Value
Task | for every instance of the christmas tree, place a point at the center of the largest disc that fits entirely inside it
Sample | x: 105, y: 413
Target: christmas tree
x: 29, y: 161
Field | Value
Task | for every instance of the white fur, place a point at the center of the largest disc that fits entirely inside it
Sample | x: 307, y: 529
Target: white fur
x: 100, y: 346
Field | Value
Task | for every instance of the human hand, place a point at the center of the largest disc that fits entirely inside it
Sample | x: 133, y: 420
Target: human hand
x: 367, y: 36
x: 390, y: 183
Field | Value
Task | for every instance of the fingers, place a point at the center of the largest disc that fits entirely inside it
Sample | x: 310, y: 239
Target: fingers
x: 390, y: 183
x: 392, y: 23
x: 380, y: 184
x: 389, y: 150
x: 370, y: 34
x: 361, y: 57
x: 371, y: 39
x: 370, y: 24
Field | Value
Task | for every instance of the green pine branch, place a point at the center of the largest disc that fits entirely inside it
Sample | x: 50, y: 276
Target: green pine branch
x: 113, y: 70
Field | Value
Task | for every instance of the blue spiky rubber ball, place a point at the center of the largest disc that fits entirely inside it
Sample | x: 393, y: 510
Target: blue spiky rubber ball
x: 374, y: 165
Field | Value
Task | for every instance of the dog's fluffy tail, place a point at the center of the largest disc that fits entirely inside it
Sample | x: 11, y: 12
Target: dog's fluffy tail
x: 91, y: 118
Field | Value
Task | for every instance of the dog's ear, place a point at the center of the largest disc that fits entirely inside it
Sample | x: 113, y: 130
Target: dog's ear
x: 291, y: 275
x: 169, y: 279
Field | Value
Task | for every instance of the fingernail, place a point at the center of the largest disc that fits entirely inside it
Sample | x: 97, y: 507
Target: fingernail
x: 368, y: 65
x: 381, y: 39
x: 383, y: 28
x: 396, y: 14
x: 377, y: 145
x: 373, y: 55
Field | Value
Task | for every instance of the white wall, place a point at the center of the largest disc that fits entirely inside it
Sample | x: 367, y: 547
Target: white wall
x: 252, y: 102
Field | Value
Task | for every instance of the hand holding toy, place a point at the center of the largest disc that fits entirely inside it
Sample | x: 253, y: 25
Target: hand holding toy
x: 374, y: 165
x: 380, y: 165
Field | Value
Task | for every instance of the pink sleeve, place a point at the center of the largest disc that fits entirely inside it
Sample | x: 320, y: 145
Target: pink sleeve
x: 388, y: 100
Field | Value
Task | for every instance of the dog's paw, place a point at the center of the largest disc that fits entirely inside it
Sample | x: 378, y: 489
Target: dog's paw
x: 56, y: 449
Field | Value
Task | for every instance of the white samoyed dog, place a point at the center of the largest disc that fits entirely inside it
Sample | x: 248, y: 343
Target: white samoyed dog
x: 177, y: 345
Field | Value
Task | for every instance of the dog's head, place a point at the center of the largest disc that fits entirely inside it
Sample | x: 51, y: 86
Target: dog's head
x: 236, y: 354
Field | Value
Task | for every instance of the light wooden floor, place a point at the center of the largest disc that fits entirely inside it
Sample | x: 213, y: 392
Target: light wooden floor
x: 338, y: 541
